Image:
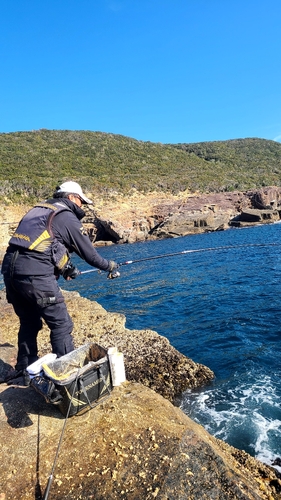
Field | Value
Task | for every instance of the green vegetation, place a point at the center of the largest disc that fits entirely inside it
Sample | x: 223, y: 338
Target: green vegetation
x: 33, y: 163
x: 240, y: 164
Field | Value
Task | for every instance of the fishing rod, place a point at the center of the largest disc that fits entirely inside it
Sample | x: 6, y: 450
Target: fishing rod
x: 50, y: 480
x: 209, y: 249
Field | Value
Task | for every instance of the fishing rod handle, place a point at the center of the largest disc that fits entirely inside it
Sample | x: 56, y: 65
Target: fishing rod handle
x: 47, y: 490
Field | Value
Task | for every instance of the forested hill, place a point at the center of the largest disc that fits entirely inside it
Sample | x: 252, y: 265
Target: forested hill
x: 33, y: 163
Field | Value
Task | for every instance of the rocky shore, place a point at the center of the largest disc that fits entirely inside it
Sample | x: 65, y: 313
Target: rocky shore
x: 136, y: 444
x: 128, y: 219
x: 155, y: 216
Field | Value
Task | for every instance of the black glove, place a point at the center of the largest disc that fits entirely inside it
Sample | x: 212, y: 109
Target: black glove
x: 70, y: 272
x: 113, y: 273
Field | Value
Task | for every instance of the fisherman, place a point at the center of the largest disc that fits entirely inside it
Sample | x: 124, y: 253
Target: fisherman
x: 38, y: 253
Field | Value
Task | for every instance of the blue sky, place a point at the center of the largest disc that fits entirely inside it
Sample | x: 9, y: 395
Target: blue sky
x: 165, y: 71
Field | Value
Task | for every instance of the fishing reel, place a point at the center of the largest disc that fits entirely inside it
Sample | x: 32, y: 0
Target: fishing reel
x: 113, y: 270
x: 70, y: 272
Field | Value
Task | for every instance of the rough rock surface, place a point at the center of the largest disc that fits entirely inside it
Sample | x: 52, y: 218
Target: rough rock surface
x: 135, y: 444
x: 157, y: 215
x: 161, y: 216
x: 266, y: 198
x: 259, y: 216
x: 139, y: 217
x: 150, y: 358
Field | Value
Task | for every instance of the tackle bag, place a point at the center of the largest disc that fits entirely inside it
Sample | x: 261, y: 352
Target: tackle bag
x: 82, y: 378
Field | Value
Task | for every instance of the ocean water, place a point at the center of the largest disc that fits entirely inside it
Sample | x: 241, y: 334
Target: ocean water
x: 219, y: 305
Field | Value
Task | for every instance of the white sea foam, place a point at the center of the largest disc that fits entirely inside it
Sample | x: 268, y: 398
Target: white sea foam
x: 267, y: 430
x: 244, y: 415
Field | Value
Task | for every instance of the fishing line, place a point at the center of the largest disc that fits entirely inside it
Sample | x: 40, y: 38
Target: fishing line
x: 209, y: 249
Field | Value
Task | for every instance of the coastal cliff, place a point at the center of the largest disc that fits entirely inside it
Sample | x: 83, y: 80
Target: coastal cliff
x: 158, y: 215
x: 138, y: 217
x: 134, y: 445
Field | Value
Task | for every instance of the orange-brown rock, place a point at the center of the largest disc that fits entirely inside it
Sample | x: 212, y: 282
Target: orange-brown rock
x: 155, y: 215
x: 139, y: 217
x: 134, y: 445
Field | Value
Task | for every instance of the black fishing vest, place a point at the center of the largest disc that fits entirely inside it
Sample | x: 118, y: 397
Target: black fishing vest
x: 34, y: 232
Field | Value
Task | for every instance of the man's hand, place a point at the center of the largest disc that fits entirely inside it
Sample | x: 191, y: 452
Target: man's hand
x: 70, y: 272
x: 113, y: 272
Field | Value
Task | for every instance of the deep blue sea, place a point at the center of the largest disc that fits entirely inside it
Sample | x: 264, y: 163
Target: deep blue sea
x: 220, y: 307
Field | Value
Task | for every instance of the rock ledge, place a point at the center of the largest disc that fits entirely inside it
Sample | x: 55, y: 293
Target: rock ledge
x: 134, y: 445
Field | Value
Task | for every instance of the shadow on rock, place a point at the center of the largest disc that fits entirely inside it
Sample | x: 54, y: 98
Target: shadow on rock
x: 20, y: 403
x: 7, y: 360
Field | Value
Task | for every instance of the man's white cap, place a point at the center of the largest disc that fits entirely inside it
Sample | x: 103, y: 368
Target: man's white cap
x: 72, y: 187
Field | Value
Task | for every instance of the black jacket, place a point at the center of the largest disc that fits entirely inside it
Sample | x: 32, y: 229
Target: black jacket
x: 68, y: 230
